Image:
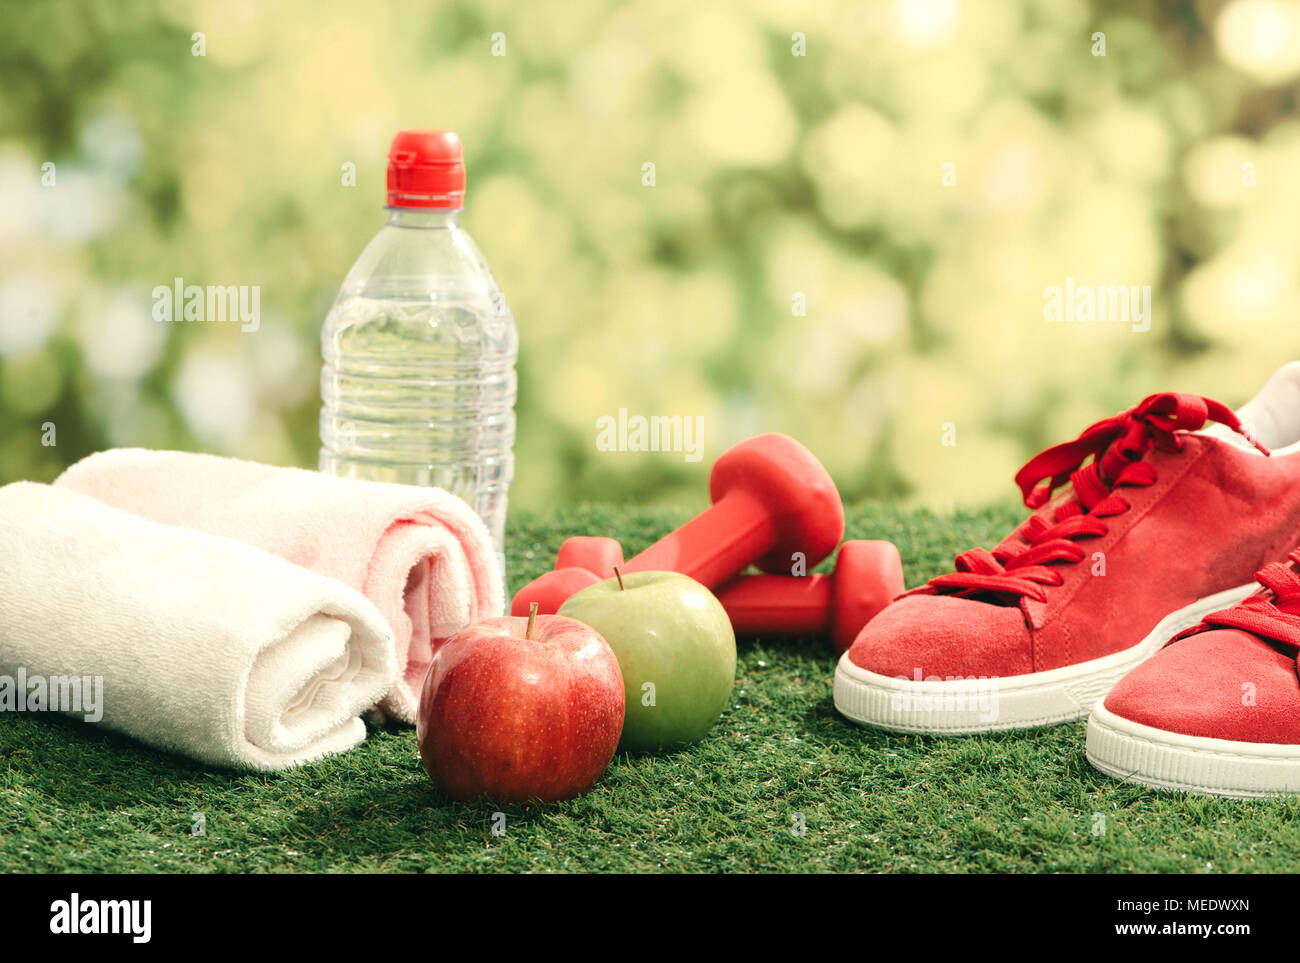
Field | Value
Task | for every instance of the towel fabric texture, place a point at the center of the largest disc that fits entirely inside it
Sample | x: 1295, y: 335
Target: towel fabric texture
x: 187, y: 641
x: 420, y: 555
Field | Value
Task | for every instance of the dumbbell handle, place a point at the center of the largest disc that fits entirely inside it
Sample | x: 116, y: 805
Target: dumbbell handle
x: 716, y: 544
x: 778, y: 604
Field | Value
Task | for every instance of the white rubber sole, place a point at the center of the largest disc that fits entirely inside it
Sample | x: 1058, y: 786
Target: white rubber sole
x: 1132, y: 752
x: 966, y: 706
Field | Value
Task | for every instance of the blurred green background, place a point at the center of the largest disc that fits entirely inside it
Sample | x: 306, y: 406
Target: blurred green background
x: 916, y: 173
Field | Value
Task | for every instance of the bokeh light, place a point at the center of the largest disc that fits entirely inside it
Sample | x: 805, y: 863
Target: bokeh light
x: 855, y: 213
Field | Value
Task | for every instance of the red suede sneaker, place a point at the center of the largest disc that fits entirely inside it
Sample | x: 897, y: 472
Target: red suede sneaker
x: 1220, y: 711
x: 1163, y: 520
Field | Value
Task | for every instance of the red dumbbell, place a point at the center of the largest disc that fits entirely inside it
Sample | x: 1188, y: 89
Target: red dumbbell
x: 868, y: 575
x: 771, y: 499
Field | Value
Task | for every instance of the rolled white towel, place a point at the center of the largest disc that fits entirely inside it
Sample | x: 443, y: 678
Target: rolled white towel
x: 205, y: 646
x: 420, y: 554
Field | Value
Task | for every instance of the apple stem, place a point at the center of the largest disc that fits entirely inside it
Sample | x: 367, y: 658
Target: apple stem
x: 619, y: 575
x: 532, y: 617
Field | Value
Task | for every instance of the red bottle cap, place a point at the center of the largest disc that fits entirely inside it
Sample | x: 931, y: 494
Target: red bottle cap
x: 426, y: 168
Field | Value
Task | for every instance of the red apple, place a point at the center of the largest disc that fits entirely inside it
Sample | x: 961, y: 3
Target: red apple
x: 520, y: 708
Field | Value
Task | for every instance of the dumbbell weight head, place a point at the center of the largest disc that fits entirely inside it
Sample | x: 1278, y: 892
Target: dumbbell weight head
x: 593, y: 552
x: 868, y: 576
x: 795, y: 489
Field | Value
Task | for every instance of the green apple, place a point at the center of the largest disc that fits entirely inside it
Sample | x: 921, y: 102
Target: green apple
x: 675, y: 647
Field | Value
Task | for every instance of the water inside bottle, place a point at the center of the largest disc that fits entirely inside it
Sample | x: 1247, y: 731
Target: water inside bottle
x: 421, y: 391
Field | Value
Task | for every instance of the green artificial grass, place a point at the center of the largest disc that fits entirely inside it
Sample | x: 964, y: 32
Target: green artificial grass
x: 74, y: 798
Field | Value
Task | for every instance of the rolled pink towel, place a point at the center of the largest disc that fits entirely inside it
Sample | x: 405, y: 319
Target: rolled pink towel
x: 420, y: 555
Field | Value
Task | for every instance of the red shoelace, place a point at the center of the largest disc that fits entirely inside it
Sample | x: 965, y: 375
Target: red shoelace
x: 1117, y: 447
x: 1274, y: 614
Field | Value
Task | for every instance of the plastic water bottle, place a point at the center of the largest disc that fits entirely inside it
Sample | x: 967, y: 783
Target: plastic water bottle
x: 420, y: 346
